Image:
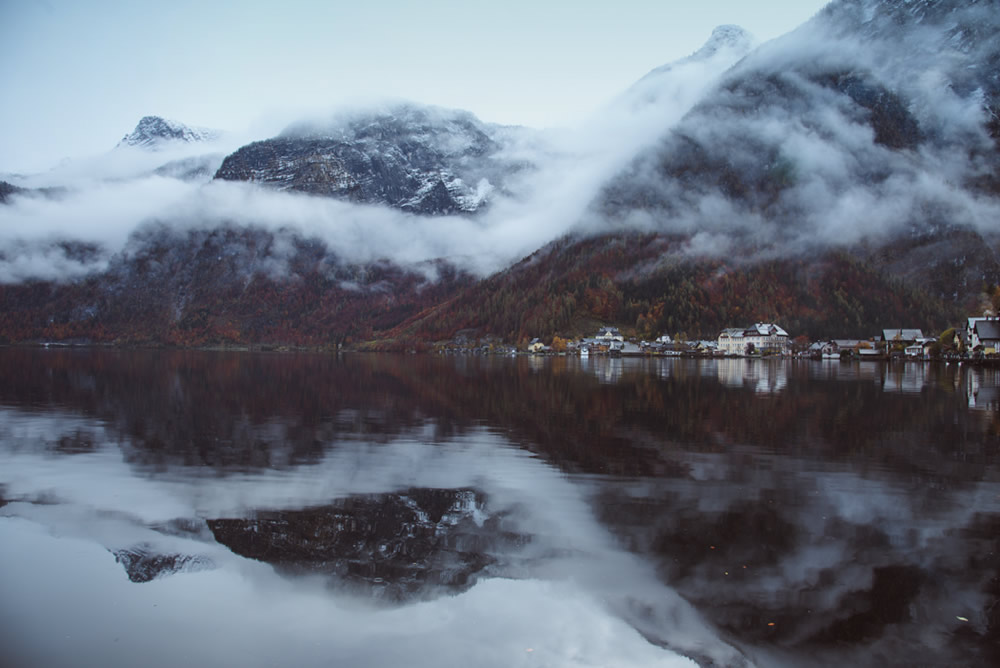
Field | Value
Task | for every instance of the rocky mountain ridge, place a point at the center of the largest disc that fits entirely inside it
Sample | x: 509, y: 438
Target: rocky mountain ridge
x: 418, y: 159
x: 154, y: 133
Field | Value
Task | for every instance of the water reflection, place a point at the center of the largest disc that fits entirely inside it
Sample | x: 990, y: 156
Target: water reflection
x: 738, y: 512
x: 983, y: 389
x: 761, y: 376
x: 911, y: 378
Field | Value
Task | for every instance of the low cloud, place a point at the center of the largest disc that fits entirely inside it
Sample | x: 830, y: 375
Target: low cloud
x: 822, y: 137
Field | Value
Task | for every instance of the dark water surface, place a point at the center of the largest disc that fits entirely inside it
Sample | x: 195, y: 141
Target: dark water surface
x: 191, y: 508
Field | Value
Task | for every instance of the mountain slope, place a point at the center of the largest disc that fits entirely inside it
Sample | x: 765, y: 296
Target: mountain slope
x: 227, y: 284
x: 646, y: 284
x: 840, y: 135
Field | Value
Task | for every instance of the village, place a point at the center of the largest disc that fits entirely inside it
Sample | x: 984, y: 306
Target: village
x: 977, y: 340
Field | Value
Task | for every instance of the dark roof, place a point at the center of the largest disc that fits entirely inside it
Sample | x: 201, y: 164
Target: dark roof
x: 902, y: 334
x: 988, y: 329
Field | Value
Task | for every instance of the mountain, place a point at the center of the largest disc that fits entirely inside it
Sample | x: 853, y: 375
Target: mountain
x: 727, y: 45
x: 838, y: 136
x: 153, y: 133
x: 418, y: 159
x: 838, y: 180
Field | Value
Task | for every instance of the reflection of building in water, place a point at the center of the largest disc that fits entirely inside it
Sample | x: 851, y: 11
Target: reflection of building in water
x: 536, y: 362
x: 983, y: 389
x: 610, y: 370
x: 761, y: 376
x: 847, y: 370
x: 907, y: 378
x: 665, y: 368
x: 607, y: 370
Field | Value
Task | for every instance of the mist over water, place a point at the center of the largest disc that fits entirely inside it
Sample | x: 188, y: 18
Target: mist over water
x: 160, y: 507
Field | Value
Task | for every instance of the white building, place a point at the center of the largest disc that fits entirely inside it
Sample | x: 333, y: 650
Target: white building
x: 762, y: 338
x: 609, y: 334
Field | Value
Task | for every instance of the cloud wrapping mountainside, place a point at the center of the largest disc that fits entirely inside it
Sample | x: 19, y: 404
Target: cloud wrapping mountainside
x: 844, y: 131
x: 546, y: 182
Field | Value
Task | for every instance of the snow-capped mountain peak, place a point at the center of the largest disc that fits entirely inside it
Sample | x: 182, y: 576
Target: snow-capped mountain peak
x: 727, y: 43
x: 419, y: 159
x: 154, y: 132
x: 673, y: 88
x: 731, y: 37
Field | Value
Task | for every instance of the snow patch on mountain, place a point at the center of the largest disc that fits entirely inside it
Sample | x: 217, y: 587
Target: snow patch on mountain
x: 153, y: 133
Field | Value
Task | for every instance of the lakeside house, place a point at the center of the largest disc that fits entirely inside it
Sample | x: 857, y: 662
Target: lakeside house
x: 985, y: 335
x: 900, y: 337
x: 838, y: 347
x: 609, y: 334
x: 762, y: 338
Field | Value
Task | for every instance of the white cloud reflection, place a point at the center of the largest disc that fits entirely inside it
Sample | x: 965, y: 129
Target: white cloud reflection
x: 576, y: 597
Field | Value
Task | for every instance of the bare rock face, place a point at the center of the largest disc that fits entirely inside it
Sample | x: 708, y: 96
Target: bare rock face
x: 421, y: 160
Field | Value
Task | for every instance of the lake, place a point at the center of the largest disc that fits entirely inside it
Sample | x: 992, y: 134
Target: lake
x: 165, y: 508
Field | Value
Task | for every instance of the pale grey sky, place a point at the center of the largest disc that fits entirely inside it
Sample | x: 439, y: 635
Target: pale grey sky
x: 78, y: 74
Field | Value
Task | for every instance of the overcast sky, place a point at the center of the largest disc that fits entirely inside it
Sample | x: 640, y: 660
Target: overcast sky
x: 78, y: 74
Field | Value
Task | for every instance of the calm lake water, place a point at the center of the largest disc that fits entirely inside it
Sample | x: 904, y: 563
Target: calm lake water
x: 193, y: 508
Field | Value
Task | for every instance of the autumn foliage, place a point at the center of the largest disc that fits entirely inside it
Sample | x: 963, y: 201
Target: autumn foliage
x: 240, y: 286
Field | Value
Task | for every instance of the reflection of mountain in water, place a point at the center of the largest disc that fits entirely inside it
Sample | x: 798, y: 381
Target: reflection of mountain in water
x: 856, y: 569
x: 395, y: 546
x: 261, y: 412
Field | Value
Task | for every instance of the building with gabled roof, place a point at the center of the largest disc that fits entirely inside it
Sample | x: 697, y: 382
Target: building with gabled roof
x: 762, y: 337
x: 610, y: 334
x: 985, y: 335
x: 904, y: 336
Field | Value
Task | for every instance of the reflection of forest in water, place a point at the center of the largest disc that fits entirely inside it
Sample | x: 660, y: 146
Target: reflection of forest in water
x: 600, y: 415
x: 849, y: 511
